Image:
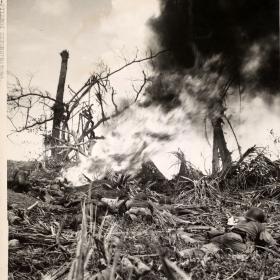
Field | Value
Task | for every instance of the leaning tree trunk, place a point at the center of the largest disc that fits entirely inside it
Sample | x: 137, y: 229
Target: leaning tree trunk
x: 58, y: 107
x: 219, y: 146
x: 220, y: 150
x: 215, y: 154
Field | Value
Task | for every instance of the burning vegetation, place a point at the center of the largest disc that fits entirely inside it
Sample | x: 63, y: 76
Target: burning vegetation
x: 99, y: 204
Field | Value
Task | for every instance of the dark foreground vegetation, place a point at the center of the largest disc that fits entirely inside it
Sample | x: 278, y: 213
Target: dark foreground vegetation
x: 139, y: 227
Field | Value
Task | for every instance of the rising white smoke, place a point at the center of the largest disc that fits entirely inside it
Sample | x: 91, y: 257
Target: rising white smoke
x: 142, y: 133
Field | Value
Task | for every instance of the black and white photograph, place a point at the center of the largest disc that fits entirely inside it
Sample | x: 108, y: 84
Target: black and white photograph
x: 141, y: 139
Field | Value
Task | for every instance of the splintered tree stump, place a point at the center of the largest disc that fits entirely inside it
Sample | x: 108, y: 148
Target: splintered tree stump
x: 149, y: 172
x: 149, y: 176
x: 219, y: 147
x: 58, y: 107
x: 187, y: 169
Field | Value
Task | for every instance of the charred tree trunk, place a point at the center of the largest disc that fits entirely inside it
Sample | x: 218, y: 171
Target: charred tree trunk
x: 219, y: 146
x: 220, y: 150
x: 215, y: 155
x: 58, y: 107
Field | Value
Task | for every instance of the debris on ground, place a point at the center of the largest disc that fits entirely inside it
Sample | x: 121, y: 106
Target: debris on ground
x: 142, y: 227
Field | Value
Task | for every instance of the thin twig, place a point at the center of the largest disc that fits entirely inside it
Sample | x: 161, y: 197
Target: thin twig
x: 235, y: 137
x: 269, y: 250
x: 232, y: 275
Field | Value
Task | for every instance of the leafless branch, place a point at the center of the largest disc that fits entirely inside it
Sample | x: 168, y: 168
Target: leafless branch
x: 97, y: 78
x: 67, y: 147
x: 36, y: 123
x: 135, y: 60
x: 22, y: 100
x: 113, y: 100
x: 21, y: 96
x: 235, y: 137
x: 141, y: 87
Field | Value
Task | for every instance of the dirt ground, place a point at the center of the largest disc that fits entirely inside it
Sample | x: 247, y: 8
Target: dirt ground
x: 57, y: 230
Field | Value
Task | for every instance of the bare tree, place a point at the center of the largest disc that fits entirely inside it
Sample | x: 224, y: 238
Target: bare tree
x: 58, y: 108
x: 217, y: 84
x: 75, y: 120
x: 220, y: 149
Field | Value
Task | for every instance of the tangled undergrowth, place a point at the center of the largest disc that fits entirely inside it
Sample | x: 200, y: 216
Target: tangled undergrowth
x: 62, y: 234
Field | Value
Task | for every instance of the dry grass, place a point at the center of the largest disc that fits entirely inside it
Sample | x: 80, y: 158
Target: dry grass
x: 114, y: 247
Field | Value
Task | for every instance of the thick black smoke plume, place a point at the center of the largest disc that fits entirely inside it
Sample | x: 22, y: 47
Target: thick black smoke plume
x: 244, y: 33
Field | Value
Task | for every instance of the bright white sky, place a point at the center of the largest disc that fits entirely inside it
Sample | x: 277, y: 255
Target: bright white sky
x: 38, y: 30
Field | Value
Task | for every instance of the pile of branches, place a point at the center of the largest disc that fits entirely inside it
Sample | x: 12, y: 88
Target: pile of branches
x: 254, y: 169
